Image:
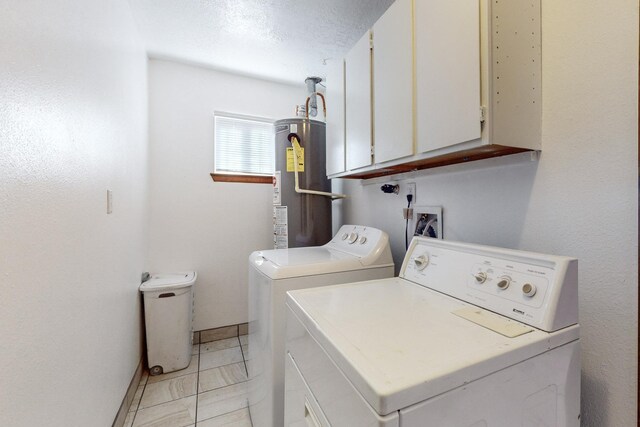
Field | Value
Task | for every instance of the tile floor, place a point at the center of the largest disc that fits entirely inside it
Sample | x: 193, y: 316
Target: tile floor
x: 211, y: 392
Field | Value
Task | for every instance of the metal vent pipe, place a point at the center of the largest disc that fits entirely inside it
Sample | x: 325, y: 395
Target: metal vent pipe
x: 311, y: 83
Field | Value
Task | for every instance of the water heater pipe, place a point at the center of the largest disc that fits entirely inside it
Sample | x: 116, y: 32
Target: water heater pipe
x: 311, y: 83
x: 293, y: 138
x: 324, y: 105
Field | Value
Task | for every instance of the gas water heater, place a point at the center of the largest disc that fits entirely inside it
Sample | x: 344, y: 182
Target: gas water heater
x: 301, y: 219
x: 301, y: 191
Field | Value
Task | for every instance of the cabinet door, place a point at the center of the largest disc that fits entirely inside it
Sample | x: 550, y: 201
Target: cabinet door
x: 335, y: 117
x: 393, y: 83
x: 447, y: 49
x: 358, y: 104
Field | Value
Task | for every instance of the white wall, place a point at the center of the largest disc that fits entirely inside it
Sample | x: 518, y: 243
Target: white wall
x: 195, y: 223
x: 72, y: 125
x: 579, y: 200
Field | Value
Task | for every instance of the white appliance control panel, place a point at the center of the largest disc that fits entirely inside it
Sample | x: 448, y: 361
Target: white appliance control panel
x: 511, y: 281
x: 539, y: 290
x: 360, y: 241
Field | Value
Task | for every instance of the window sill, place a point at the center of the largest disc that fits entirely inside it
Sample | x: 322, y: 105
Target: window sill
x: 251, y: 179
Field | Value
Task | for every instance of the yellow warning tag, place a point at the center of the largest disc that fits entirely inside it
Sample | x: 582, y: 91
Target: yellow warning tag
x: 290, y: 160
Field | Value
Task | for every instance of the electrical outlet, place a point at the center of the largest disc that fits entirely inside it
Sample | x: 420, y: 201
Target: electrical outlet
x: 411, y: 189
x: 427, y: 221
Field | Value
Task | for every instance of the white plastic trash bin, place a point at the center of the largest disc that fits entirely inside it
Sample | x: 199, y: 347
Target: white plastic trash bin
x: 168, y: 313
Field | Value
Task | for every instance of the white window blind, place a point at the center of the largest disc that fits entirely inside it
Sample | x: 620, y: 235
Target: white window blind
x: 243, y: 145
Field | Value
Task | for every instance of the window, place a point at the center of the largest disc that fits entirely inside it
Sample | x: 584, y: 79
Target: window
x: 244, y: 148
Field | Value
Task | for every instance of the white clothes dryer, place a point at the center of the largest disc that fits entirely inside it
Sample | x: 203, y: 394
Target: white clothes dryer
x: 467, y: 336
x: 355, y: 253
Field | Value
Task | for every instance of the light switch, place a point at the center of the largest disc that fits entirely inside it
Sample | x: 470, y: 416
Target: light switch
x: 109, y: 201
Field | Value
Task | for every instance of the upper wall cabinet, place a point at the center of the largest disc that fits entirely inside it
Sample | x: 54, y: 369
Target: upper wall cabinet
x: 447, y: 37
x: 358, y: 104
x: 393, y: 83
x: 451, y: 81
x: 335, y: 117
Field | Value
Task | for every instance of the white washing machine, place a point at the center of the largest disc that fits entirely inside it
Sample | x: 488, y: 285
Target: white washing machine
x: 467, y: 336
x: 355, y: 253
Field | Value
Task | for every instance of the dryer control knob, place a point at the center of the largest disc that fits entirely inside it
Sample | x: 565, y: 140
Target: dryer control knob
x: 504, y: 282
x: 529, y: 290
x: 344, y: 236
x: 421, y: 262
x: 352, y: 238
x: 362, y: 240
x: 480, y: 277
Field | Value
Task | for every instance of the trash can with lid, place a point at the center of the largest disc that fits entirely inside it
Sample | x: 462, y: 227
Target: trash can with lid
x: 168, y: 313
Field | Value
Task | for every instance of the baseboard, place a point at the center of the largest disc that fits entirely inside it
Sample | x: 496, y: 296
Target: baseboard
x: 128, y: 397
x: 222, y: 333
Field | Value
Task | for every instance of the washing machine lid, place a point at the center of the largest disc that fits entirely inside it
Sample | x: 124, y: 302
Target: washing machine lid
x: 399, y: 343
x: 165, y: 281
x: 297, y: 262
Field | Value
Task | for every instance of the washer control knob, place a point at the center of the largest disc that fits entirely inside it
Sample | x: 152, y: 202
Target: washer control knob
x: 529, y: 290
x: 480, y: 277
x: 421, y: 262
x: 352, y: 238
x: 504, y: 282
x: 362, y: 240
x: 344, y: 236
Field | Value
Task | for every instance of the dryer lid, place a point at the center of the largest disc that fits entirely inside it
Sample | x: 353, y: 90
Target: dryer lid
x: 399, y: 343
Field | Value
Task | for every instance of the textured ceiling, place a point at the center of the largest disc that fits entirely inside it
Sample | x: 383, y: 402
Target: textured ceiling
x: 284, y: 40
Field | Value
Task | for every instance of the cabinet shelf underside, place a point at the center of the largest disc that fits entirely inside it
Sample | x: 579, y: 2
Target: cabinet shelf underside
x: 472, y: 154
